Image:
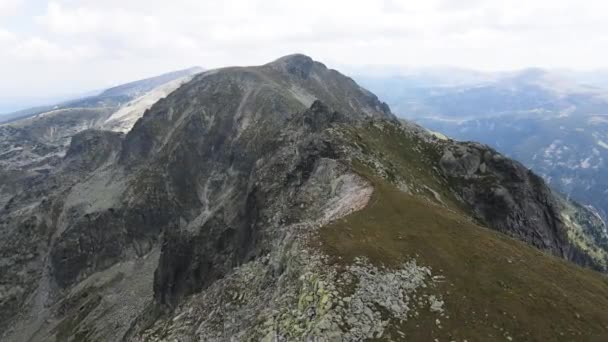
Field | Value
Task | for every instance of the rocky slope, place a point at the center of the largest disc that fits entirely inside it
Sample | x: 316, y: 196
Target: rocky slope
x: 34, y: 144
x: 285, y: 202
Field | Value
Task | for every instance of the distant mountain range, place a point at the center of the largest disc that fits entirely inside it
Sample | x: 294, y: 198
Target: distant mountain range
x: 112, y: 97
x: 553, y: 122
x: 35, y: 139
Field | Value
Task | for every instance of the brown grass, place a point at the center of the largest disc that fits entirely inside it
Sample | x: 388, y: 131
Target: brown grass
x: 495, y: 286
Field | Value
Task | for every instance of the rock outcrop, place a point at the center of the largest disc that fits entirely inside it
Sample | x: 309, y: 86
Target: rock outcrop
x: 508, y: 197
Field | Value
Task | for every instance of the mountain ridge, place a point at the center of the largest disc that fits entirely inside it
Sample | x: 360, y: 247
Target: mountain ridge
x: 128, y: 90
x: 272, y: 203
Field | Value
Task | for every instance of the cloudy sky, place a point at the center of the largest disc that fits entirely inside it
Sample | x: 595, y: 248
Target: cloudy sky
x: 50, y: 48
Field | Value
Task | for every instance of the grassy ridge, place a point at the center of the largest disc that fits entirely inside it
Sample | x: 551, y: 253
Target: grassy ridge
x: 495, y: 286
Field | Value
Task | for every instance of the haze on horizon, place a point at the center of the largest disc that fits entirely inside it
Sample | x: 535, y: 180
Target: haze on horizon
x: 63, y: 47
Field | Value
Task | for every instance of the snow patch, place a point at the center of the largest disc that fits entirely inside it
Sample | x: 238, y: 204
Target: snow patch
x: 598, y: 120
x: 586, y: 163
x: 567, y: 180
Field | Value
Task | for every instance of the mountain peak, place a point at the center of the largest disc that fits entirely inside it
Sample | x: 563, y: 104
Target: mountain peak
x: 297, y: 58
x: 296, y: 64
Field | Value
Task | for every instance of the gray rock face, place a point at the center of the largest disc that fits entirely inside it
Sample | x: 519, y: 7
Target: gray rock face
x: 506, y: 196
x: 90, y: 149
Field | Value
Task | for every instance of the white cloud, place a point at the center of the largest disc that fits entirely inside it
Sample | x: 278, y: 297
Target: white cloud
x: 117, y: 40
x: 37, y: 49
x: 122, y: 32
x: 9, y: 7
x: 427, y: 27
x: 6, y: 36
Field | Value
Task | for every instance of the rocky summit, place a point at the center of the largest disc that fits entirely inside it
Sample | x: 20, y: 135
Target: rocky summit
x: 284, y: 202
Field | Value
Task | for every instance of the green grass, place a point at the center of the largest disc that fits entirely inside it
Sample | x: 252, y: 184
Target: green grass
x: 495, y: 285
x: 407, y: 157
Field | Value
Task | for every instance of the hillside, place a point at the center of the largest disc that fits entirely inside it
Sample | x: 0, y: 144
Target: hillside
x: 111, y: 97
x: 33, y: 141
x: 285, y: 202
